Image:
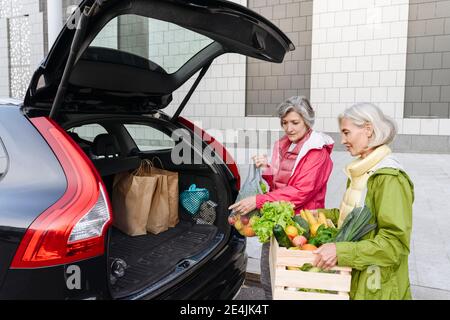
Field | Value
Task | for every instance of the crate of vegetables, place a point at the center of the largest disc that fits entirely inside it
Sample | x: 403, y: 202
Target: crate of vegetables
x: 293, y: 238
x: 294, y: 278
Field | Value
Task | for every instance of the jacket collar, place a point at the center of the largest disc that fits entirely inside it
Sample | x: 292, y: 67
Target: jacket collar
x: 286, y: 143
x: 317, y: 140
x: 360, y: 166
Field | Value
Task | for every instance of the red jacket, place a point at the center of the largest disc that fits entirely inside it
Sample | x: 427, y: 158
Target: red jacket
x: 299, y: 176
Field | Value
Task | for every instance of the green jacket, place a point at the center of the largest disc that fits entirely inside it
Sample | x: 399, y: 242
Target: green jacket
x: 380, y: 259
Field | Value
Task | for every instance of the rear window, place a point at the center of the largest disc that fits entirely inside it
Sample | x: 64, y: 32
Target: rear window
x: 148, y: 138
x: 89, y: 132
x: 164, y: 43
x: 3, y: 159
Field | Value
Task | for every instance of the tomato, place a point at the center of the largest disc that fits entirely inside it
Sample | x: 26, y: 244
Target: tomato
x: 245, y: 219
x: 299, y: 241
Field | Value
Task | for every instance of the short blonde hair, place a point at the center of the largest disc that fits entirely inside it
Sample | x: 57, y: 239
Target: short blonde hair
x: 299, y: 104
x: 384, y: 128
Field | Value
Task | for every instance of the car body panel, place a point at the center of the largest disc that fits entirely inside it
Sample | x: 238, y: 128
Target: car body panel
x: 33, y: 181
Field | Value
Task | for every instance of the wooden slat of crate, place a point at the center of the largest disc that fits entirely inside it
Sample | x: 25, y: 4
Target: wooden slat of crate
x: 297, y: 258
x: 298, y: 261
x: 312, y: 280
x: 280, y: 294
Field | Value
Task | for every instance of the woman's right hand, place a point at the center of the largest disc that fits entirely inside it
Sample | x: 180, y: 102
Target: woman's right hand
x: 261, y: 161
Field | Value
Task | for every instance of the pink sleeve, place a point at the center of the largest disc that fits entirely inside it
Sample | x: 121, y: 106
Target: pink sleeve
x: 310, y: 176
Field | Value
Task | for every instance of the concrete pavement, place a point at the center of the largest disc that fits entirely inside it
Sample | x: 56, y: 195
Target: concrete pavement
x: 429, y: 260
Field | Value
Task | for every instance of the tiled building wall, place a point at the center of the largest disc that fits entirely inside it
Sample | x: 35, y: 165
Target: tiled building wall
x: 133, y: 34
x: 428, y: 63
x: 172, y: 46
x: 109, y: 36
x: 268, y: 84
x: 21, y: 44
x: 358, y: 54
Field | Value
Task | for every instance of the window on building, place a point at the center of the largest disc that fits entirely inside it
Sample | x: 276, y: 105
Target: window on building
x: 164, y: 43
x: 427, y: 92
x: 148, y: 138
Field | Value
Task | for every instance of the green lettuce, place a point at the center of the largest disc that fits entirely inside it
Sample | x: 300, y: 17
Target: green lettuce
x: 272, y: 213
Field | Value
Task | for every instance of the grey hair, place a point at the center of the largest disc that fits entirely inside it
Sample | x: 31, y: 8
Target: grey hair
x: 299, y: 104
x: 384, y: 128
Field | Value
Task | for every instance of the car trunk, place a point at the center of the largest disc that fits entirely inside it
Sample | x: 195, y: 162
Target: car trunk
x: 152, y: 260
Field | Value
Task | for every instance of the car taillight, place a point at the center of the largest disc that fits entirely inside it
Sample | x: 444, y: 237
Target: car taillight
x: 216, y: 145
x: 73, y: 228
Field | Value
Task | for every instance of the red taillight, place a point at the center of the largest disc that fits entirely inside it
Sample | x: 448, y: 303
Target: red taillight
x: 73, y: 228
x: 218, y: 147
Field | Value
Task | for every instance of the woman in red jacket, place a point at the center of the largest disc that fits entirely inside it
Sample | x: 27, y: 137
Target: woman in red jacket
x: 299, y: 170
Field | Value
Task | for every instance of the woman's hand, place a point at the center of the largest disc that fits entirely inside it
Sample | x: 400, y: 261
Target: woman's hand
x: 326, y: 256
x: 261, y: 161
x: 244, y: 206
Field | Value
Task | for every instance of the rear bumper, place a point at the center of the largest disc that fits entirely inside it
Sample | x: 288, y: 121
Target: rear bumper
x: 220, y: 277
x: 82, y: 280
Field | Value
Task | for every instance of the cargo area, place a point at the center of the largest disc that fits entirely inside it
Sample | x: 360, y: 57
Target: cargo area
x: 151, y: 259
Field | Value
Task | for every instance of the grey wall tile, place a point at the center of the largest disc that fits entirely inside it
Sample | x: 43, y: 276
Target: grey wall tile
x: 430, y: 143
x: 402, y: 143
x: 433, y: 60
x: 421, y: 109
x: 440, y: 110
x: 431, y: 94
x: 441, y: 77
x: 423, y: 77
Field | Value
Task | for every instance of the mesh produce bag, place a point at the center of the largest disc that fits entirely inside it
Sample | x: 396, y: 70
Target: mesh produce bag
x: 252, y: 185
x: 192, y: 199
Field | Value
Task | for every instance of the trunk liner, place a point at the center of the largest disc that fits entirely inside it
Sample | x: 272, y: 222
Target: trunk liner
x: 152, y: 257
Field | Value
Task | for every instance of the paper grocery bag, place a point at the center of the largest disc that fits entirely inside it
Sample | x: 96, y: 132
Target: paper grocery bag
x: 158, y: 214
x: 131, y: 201
x: 172, y: 184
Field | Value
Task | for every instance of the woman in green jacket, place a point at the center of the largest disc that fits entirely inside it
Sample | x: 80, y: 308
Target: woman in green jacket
x: 376, y: 179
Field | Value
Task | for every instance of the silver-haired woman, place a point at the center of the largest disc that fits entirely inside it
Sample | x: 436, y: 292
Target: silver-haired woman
x: 376, y: 179
x: 299, y: 170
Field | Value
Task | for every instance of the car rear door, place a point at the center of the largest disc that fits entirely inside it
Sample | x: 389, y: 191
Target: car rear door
x: 232, y: 27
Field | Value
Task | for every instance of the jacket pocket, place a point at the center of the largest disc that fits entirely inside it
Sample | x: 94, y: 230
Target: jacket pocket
x: 378, y: 283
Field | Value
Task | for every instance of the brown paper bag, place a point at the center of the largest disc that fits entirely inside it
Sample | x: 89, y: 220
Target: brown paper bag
x: 158, y: 215
x: 131, y: 201
x: 172, y: 181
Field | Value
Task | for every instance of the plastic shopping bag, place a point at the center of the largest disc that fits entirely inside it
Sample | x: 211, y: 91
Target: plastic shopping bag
x: 252, y: 186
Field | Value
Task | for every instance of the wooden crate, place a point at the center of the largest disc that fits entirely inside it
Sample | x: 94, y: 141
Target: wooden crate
x: 286, y: 282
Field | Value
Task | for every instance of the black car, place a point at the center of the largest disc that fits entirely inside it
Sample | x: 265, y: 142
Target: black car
x: 88, y: 115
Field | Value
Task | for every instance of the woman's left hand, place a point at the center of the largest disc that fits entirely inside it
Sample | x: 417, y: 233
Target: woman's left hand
x: 326, y: 256
x: 244, y: 206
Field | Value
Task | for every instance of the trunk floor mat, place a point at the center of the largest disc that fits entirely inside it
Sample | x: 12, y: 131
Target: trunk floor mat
x: 152, y: 257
